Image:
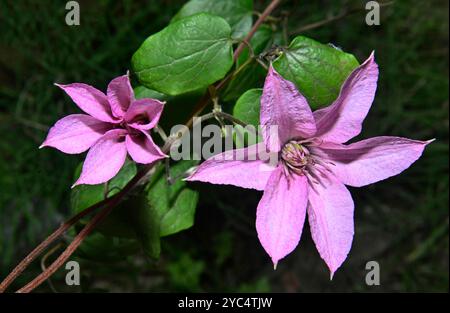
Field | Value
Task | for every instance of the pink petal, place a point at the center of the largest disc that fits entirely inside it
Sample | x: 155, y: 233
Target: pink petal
x: 142, y: 149
x: 283, y: 106
x: 104, y: 159
x: 144, y: 114
x: 371, y: 160
x: 120, y: 95
x: 75, y: 133
x: 281, y: 214
x: 330, y: 215
x: 90, y: 100
x: 229, y: 169
x: 343, y: 119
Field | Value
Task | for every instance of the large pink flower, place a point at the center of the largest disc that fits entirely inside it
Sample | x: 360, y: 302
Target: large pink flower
x: 115, y: 124
x: 314, y: 165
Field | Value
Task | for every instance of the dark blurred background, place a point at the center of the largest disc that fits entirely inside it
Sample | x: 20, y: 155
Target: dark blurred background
x: 401, y: 223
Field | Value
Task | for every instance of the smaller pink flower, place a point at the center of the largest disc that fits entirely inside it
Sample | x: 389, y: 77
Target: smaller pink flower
x: 115, y: 124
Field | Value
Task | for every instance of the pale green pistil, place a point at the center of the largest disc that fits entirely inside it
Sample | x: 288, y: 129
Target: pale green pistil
x: 297, y: 159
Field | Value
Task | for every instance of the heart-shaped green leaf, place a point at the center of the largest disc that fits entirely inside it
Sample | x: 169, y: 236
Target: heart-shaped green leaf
x: 248, y: 106
x: 247, y: 110
x: 187, y: 55
x: 101, y: 248
x: 134, y: 219
x: 141, y: 92
x: 238, y: 13
x: 144, y: 221
x: 131, y: 224
x: 317, y: 70
x: 174, y: 203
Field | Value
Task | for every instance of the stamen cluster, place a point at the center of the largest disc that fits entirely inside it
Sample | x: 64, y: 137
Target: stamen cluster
x: 298, y: 158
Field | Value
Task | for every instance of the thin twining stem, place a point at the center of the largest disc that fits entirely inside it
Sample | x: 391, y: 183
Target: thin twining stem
x: 334, y: 18
x: 217, y: 114
x: 231, y: 118
x: 230, y: 76
x: 255, y: 27
x: 158, y: 129
x: 44, y: 262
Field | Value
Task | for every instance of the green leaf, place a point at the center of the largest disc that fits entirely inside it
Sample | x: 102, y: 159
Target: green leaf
x: 317, y: 70
x: 248, y: 106
x: 238, y: 13
x: 181, y: 215
x: 83, y: 196
x: 250, y: 77
x: 145, y: 222
x: 98, y: 247
x: 118, y: 222
x: 175, y: 204
x: 141, y: 92
x: 187, y: 55
x: 247, y: 110
x: 134, y: 218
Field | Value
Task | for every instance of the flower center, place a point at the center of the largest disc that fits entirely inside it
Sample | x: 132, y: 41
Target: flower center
x: 130, y: 130
x: 295, y: 157
x: 298, y: 158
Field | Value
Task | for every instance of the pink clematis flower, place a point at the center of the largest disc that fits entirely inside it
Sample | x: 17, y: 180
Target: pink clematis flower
x: 115, y: 124
x: 314, y: 165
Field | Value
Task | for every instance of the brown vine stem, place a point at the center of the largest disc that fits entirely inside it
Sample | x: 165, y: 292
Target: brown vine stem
x: 112, y: 201
x: 255, y: 27
x: 44, y: 244
x: 85, y: 232
x: 70, y: 249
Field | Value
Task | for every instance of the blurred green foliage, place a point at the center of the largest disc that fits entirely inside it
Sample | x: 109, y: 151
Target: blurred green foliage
x: 402, y: 223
